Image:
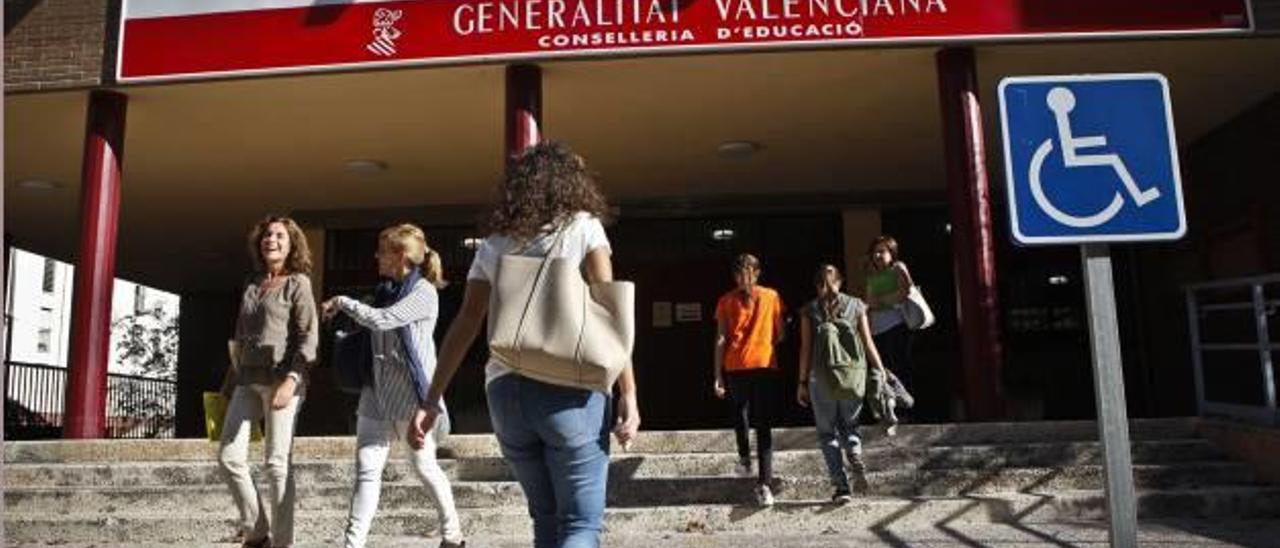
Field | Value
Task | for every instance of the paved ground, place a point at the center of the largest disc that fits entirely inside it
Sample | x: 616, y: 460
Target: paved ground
x: 1165, y: 534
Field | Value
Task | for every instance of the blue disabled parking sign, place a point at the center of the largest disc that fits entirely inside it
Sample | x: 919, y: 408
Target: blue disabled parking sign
x: 1091, y: 159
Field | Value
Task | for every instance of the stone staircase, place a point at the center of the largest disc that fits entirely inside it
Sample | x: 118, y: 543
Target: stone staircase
x: 670, y: 483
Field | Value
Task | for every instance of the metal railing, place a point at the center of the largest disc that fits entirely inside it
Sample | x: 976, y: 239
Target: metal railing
x: 35, y: 394
x: 1234, y: 346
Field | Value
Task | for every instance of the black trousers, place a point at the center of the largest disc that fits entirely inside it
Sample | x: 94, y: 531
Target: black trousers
x: 755, y: 397
x: 895, y: 351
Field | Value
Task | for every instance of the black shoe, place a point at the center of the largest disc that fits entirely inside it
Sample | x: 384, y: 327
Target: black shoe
x: 858, y: 473
x: 447, y: 544
x: 842, y: 497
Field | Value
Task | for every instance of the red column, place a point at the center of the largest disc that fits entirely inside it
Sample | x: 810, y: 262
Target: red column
x: 95, y: 273
x: 973, y: 245
x: 524, y: 108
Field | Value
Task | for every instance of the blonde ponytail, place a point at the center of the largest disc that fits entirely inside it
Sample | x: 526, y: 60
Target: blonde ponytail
x: 412, y: 241
x: 433, y: 269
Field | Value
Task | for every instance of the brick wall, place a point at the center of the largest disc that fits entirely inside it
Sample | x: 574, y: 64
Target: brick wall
x: 55, y: 44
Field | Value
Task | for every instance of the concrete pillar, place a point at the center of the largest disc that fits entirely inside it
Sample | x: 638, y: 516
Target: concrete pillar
x: 973, y: 244
x: 316, y: 241
x: 95, y: 273
x: 860, y: 226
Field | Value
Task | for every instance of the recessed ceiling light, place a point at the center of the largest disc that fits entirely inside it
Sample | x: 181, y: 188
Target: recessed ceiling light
x: 366, y: 166
x: 722, y: 234
x: 738, y: 150
x: 37, y: 184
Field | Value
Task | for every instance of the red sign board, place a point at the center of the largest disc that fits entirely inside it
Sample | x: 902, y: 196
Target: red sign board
x: 167, y: 39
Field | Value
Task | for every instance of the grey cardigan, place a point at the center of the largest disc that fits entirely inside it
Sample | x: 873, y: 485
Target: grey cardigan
x: 277, y: 330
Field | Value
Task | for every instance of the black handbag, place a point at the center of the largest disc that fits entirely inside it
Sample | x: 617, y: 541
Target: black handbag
x: 352, y: 357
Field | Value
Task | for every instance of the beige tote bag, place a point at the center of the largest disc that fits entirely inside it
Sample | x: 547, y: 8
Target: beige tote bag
x: 547, y: 323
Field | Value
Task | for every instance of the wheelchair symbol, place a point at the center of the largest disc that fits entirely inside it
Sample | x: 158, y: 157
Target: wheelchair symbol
x: 1061, y: 101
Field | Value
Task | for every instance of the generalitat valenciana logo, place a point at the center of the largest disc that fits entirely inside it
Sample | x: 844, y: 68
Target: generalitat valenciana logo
x: 385, y: 32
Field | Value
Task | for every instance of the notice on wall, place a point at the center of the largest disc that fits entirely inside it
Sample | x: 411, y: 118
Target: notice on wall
x: 688, y: 312
x: 662, y: 314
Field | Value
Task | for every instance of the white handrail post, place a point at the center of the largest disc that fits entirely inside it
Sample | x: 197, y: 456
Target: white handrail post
x: 1264, y: 346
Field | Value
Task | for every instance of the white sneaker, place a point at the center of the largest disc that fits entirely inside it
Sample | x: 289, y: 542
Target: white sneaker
x: 743, y: 469
x: 764, y: 495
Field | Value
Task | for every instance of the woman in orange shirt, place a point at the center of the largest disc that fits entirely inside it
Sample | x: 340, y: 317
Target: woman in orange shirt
x: 749, y: 324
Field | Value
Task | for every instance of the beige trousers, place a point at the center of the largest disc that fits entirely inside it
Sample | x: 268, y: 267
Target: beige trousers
x: 249, y: 403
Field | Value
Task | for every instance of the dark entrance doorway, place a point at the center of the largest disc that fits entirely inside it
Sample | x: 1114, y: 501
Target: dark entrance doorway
x: 682, y: 262
x: 681, y: 267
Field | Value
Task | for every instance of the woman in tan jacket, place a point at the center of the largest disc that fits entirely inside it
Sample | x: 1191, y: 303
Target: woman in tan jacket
x: 276, y: 335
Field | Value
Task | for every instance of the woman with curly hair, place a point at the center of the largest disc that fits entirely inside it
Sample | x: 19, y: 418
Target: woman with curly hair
x: 276, y: 335
x: 554, y: 438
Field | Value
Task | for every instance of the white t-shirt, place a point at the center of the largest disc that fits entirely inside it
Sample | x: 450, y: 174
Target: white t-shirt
x: 583, y: 235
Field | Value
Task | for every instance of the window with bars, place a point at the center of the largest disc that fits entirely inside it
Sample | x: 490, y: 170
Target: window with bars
x: 140, y: 300
x: 44, y: 340
x: 50, y: 275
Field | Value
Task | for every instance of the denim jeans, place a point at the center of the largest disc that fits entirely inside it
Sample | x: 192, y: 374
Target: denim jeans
x: 556, y: 441
x: 837, y: 423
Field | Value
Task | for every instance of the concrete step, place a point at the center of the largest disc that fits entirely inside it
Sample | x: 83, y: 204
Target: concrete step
x: 484, y: 445
x: 796, y: 463
x: 634, y: 492
x: 802, y: 519
x: 1162, y: 533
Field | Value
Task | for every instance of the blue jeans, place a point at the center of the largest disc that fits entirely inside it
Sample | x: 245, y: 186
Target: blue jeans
x: 556, y: 441
x: 837, y: 422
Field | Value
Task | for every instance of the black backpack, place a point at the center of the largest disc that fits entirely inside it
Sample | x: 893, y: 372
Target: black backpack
x: 352, y: 356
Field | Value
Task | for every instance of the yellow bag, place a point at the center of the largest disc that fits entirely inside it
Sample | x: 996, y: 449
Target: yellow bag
x: 215, y: 413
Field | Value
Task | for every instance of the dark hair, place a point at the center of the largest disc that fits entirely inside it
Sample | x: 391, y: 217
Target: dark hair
x: 824, y: 270
x: 545, y: 184
x: 889, y: 243
x: 746, y: 261
x: 299, y: 259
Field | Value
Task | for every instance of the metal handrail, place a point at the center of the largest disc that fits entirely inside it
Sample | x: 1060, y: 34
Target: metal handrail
x: 49, y: 367
x: 150, y: 401
x: 1262, y: 307
x: 1235, y: 282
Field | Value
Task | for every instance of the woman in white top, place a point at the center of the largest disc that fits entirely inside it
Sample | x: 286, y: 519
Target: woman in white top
x: 402, y: 323
x: 554, y: 438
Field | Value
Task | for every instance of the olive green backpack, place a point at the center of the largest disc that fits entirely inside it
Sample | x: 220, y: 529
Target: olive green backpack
x: 839, y: 357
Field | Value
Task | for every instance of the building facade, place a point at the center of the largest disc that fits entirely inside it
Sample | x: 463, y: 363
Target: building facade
x: 795, y: 130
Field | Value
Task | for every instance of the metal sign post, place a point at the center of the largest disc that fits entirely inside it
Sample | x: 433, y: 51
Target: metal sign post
x: 1091, y: 160
x: 1108, y: 390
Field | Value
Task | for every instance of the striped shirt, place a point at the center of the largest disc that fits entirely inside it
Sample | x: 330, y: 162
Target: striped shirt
x: 392, y: 395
